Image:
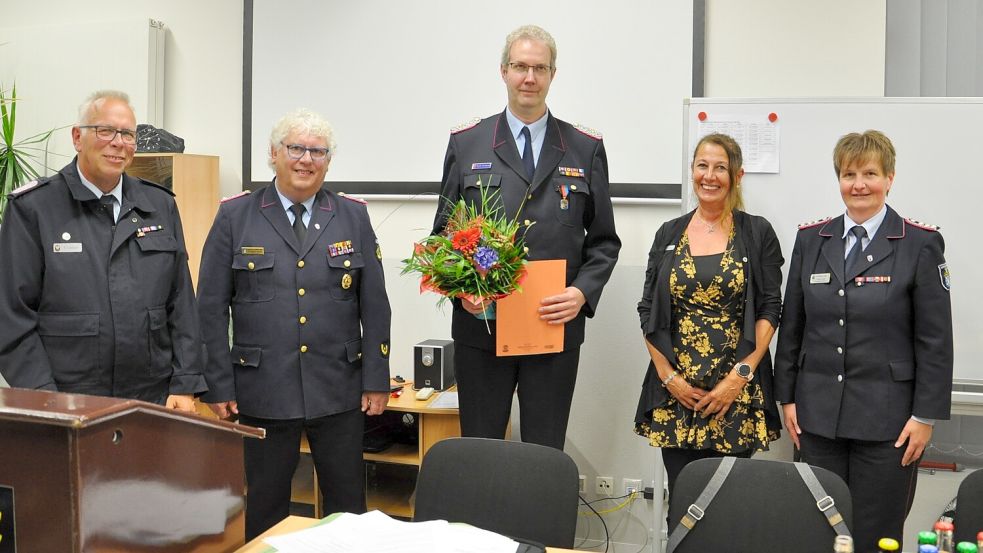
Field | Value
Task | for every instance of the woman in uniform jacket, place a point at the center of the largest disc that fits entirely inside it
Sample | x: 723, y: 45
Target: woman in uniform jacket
x: 864, y: 358
x: 709, y: 308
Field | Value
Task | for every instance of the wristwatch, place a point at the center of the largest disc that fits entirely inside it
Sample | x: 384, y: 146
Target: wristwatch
x: 744, y: 371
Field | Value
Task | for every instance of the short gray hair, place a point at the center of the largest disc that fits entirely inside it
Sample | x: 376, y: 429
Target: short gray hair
x: 303, y: 121
x: 89, y: 105
x: 530, y: 32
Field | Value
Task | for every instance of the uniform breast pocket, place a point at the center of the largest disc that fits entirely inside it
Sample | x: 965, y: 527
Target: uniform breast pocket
x: 253, y: 277
x: 158, y: 251
x: 487, y: 185
x: 570, y: 201
x: 71, y: 341
x: 344, y: 274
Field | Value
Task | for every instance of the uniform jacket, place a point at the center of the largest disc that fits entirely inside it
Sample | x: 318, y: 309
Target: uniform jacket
x: 757, y: 247
x: 859, y: 358
x: 326, y: 296
x: 583, y: 235
x: 88, y: 309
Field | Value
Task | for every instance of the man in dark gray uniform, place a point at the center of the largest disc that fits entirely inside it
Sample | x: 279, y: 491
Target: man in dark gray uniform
x: 301, y: 270
x: 95, y: 292
x: 555, y: 175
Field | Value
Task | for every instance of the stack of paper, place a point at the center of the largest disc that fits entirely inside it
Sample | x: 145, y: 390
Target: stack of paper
x: 375, y: 532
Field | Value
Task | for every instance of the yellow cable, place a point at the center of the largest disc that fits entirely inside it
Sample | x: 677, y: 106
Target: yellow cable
x: 628, y: 501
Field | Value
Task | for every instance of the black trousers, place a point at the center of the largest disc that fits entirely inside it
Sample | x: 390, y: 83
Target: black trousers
x: 544, y: 383
x: 336, y: 448
x: 881, y: 489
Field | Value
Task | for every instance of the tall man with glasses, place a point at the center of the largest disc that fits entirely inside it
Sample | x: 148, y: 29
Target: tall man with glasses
x: 555, y: 175
x: 301, y: 271
x: 95, y: 292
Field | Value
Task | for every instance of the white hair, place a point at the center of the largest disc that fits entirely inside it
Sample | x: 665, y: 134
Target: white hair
x: 301, y: 121
x: 88, y: 107
x: 529, y: 32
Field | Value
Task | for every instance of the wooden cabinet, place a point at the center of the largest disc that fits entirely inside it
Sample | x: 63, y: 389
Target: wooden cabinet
x: 194, y: 180
x: 392, y: 473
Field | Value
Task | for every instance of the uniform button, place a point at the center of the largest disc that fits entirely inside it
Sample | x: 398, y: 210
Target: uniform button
x: 841, y: 322
x: 525, y: 249
x: 841, y: 292
x: 348, y: 263
x: 242, y: 361
x: 529, y: 197
x: 573, y: 187
x: 839, y: 350
x: 303, y: 349
x: 301, y: 292
x: 303, y: 319
x: 839, y: 378
x: 526, y: 222
x: 359, y: 355
x: 251, y: 265
x: 300, y: 264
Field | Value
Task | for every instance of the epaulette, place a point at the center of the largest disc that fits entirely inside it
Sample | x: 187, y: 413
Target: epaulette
x: 234, y: 196
x: 36, y: 183
x: 469, y: 124
x: 155, y: 185
x: 593, y: 133
x: 810, y: 224
x: 353, y: 198
x: 924, y: 226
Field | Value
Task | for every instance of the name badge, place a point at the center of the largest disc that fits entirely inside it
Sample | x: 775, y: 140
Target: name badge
x: 670, y: 247
x: 819, y: 278
x: 67, y: 247
x: 253, y: 250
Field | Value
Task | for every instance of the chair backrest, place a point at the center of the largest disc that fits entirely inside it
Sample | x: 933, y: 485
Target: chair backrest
x: 521, y: 490
x: 969, y: 508
x: 761, y: 506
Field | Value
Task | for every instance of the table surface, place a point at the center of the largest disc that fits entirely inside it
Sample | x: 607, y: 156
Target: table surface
x: 295, y: 523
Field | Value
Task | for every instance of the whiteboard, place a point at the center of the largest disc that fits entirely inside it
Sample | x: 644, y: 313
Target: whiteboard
x: 393, y: 77
x: 937, y: 142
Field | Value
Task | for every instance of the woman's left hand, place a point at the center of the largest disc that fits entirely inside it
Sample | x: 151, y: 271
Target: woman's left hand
x: 718, y: 400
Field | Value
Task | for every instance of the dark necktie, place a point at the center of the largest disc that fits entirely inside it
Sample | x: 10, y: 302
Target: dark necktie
x: 853, y: 257
x: 106, y: 203
x: 527, y: 161
x: 299, y: 229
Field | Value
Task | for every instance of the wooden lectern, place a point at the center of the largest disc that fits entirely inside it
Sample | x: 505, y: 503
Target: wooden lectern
x: 86, y: 474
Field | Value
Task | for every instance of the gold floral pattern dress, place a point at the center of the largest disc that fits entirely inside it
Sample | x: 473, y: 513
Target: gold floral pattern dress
x: 707, y: 315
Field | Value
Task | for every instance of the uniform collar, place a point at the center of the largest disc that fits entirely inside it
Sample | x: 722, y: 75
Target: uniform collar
x: 116, y: 192
x: 287, y: 203
x: 871, y: 225
x: 537, y: 129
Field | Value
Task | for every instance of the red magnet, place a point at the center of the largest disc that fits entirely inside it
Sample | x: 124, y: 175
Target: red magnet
x: 773, y: 117
x: 702, y: 116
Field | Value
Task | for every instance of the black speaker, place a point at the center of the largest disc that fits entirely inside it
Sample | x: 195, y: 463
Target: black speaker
x: 433, y: 364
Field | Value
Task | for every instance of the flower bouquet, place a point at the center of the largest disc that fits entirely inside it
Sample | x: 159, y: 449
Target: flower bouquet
x: 477, y: 257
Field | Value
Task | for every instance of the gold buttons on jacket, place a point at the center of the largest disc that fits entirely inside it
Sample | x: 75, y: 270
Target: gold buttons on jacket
x: 303, y: 349
x: 573, y: 187
x: 348, y: 263
x: 242, y: 361
x: 300, y: 264
x: 529, y: 197
x: 302, y: 319
x: 251, y: 265
x: 526, y: 222
x: 301, y: 292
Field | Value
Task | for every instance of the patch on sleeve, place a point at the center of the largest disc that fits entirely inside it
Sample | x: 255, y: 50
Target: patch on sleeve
x: 27, y: 187
x: 384, y: 349
x: 470, y: 123
x: 591, y: 132
x: 353, y: 198
x: 239, y: 195
x: 924, y: 226
x: 816, y: 223
x: 944, y: 276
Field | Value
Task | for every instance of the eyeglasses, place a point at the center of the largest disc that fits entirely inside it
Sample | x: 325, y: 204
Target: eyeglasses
x: 107, y: 133
x: 522, y: 69
x: 296, y: 151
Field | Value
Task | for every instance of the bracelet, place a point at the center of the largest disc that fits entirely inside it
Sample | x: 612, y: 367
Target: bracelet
x: 665, y: 383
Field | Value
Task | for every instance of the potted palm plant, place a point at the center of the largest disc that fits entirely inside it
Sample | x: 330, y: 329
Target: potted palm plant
x: 17, y: 158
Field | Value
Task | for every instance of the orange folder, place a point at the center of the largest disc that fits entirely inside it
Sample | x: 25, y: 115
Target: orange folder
x: 519, y: 328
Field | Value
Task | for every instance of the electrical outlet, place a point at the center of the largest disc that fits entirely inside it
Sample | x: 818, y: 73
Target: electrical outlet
x: 631, y: 486
x: 604, y: 485
x: 582, y: 485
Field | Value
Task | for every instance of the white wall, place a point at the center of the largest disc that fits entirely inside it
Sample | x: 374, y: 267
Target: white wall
x: 203, y: 89
x: 781, y: 48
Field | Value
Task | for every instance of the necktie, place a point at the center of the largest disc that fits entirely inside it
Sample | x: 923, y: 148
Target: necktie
x: 853, y: 257
x: 107, y: 202
x: 527, y: 161
x: 299, y: 229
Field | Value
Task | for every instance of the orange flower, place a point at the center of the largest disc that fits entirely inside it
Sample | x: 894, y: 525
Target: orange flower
x: 466, y: 240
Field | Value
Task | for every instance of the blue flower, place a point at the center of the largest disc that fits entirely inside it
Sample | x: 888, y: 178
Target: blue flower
x: 485, y: 257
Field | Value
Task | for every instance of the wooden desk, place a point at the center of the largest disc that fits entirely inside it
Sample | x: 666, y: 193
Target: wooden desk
x: 392, y: 495
x: 293, y: 524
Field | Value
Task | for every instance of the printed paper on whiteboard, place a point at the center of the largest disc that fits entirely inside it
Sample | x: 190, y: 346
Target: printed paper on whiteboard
x: 759, y: 138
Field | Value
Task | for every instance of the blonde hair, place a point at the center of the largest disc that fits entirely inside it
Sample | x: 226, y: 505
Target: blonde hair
x: 302, y: 121
x: 735, y: 161
x: 858, y: 148
x: 529, y: 32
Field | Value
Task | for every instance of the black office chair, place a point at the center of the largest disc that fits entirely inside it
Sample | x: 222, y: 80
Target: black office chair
x: 525, y: 491
x: 969, y: 508
x: 761, y: 506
